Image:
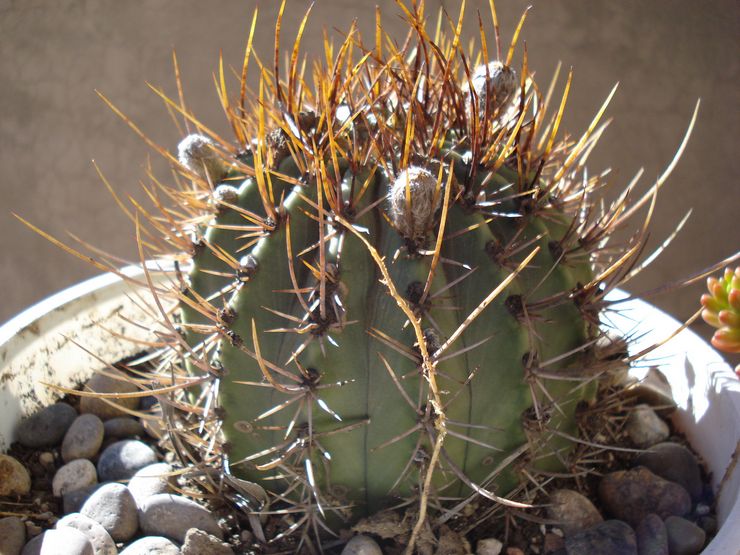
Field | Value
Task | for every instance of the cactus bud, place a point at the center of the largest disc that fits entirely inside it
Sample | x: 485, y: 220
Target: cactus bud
x: 413, y: 217
x: 196, y: 153
x: 495, y: 85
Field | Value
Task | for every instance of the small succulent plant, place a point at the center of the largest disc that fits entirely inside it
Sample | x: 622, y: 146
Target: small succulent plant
x: 388, y: 286
x: 722, y: 310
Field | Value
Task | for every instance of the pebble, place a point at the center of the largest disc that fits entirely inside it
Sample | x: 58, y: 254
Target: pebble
x: 74, y: 476
x: 573, y: 511
x: 14, y: 478
x: 675, y: 463
x: 152, y: 545
x: 73, y: 501
x: 514, y: 551
x: 12, y: 535
x: 606, y: 538
x: 46, y: 459
x: 361, y: 545
x: 655, y: 390
x: 652, y: 537
x: 172, y: 516
x: 48, y: 543
x: 630, y: 495
x: 489, y: 546
x: 122, y: 459
x: 47, y: 427
x: 198, y: 542
x: 708, y: 524
x: 83, y: 438
x: 114, y: 507
x: 101, y: 383
x: 645, y: 427
x: 99, y: 538
x: 123, y: 426
x: 684, y: 537
x: 149, y: 481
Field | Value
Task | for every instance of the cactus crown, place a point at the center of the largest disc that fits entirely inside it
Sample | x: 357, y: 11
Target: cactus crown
x: 387, y: 287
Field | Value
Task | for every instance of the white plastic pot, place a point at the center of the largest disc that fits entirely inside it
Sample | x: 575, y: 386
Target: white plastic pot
x: 61, y: 340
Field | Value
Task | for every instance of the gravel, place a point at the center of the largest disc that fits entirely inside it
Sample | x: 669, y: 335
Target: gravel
x: 76, y: 475
x: 14, y: 478
x: 99, y: 538
x: 122, y: 459
x: 83, y: 439
x: 173, y: 515
x: 114, y: 508
x: 47, y: 427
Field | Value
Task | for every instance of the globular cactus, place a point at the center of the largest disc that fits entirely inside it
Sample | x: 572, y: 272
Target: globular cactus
x: 396, y: 288
x: 389, y: 285
x: 722, y: 310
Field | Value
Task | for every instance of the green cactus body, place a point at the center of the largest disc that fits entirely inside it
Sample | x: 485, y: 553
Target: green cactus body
x: 337, y: 405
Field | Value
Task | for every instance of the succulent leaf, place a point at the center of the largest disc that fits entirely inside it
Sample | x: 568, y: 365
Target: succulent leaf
x: 722, y: 310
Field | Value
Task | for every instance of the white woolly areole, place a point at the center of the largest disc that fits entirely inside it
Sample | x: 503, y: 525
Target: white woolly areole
x: 498, y: 91
x: 226, y: 193
x: 196, y: 153
x: 422, y: 184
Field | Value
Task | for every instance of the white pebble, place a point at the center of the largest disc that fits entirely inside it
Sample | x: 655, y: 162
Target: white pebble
x: 72, y: 476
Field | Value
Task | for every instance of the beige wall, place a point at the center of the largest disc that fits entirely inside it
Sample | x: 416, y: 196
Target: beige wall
x: 665, y: 53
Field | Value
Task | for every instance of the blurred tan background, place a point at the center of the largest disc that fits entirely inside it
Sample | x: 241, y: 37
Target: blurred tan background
x: 665, y: 53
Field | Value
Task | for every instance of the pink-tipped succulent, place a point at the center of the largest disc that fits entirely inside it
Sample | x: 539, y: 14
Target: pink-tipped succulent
x: 722, y: 310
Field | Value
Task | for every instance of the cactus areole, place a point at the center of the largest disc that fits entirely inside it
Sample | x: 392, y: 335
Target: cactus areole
x: 395, y: 277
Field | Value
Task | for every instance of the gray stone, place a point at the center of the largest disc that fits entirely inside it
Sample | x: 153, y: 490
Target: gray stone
x: 675, y: 463
x: 114, y: 508
x: 123, y: 426
x: 83, y: 439
x: 684, y: 537
x: 708, y: 524
x: 47, y: 427
x: 572, y: 511
x: 652, y: 538
x: 122, y: 459
x: 73, y: 476
x: 73, y: 501
x: 198, y: 542
x: 99, y: 538
x: 14, y: 478
x: 361, y: 545
x: 152, y: 545
x: 113, y: 381
x: 50, y: 542
x: 645, y: 427
x: 654, y: 389
x: 172, y: 516
x: 12, y: 535
x: 149, y: 481
x: 606, y: 538
x: 631, y: 495
x: 488, y: 546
